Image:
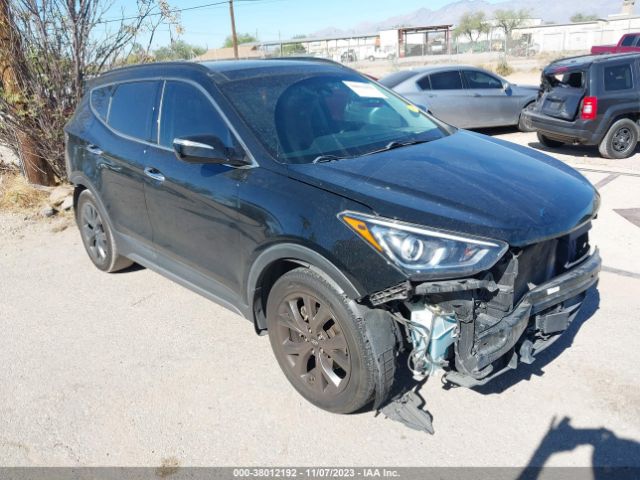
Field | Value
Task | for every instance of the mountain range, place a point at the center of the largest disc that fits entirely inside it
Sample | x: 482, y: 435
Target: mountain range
x: 553, y: 11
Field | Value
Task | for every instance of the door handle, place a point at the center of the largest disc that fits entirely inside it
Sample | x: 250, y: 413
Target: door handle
x: 477, y: 95
x: 154, y: 173
x: 94, y: 149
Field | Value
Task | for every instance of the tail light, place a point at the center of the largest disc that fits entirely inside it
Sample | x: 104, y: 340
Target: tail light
x: 590, y: 108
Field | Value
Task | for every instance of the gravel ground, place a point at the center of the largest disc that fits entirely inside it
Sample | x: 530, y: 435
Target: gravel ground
x: 132, y: 369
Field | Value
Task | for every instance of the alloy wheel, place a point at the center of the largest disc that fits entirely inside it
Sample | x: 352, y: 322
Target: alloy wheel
x: 313, y: 344
x: 93, y: 232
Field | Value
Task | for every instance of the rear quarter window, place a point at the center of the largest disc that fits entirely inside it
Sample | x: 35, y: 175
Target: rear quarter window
x: 424, y: 83
x: 617, y: 77
x: 100, y: 98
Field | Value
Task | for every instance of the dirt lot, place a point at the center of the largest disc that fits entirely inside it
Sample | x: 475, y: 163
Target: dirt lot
x: 131, y: 369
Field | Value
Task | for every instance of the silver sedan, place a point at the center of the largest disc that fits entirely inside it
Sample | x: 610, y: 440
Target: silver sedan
x: 467, y: 97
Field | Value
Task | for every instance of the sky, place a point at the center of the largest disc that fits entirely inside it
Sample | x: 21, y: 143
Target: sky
x: 274, y: 19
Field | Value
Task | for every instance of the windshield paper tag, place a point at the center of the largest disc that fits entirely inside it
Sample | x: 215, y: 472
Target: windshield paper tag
x: 366, y: 90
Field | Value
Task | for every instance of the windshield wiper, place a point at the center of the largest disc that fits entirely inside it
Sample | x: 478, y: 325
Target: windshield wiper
x: 327, y: 158
x: 395, y: 144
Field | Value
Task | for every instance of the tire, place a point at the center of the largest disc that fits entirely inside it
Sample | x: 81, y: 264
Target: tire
x: 326, y: 356
x: 96, y: 235
x: 620, y: 141
x: 521, y: 125
x: 548, y: 142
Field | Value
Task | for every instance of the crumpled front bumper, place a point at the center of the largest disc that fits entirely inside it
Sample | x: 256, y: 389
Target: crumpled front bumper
x: 530, y: 328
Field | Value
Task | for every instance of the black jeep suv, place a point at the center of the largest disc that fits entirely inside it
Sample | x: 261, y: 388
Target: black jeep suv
x: 334, y: 215
x: 589, y: 100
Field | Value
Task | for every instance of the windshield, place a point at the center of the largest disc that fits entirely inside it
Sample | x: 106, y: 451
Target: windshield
x: 331, y: 115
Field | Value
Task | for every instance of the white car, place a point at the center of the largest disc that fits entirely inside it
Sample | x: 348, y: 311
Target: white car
x: 379, y: 54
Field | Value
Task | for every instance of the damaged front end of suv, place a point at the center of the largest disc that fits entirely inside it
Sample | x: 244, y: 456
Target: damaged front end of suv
x: 492, y: 305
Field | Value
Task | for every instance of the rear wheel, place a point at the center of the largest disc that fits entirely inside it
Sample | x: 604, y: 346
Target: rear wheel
x: 548, y: 142
x: 621, y: 140
x: 97, y: 236
x: 319, y: 338
x: 521, y: 124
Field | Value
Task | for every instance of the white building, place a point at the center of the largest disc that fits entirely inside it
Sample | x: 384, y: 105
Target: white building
x: 580, y: 36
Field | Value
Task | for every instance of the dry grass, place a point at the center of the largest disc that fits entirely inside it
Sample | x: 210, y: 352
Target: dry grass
x: 17, y: 195
x: 504, y: 69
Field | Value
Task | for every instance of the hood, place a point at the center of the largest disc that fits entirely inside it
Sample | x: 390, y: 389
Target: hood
x: 466, y: 183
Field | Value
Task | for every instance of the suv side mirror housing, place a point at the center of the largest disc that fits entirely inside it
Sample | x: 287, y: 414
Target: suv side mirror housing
x: 506, y: 86
x: 206, y: 149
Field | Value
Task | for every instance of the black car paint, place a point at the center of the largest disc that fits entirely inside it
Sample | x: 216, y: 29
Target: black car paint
x: 500, y: 191
x: 611, y: 105
x: 218, y: 229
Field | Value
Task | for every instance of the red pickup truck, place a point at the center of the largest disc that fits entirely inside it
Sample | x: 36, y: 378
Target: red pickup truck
x: 629, y: 42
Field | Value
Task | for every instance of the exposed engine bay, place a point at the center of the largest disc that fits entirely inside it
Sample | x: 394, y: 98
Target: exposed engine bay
x: 475, y: 329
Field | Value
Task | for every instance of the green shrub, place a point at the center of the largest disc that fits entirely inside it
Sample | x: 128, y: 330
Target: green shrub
x: 504, y: 68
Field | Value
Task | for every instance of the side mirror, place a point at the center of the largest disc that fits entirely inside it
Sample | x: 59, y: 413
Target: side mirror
x: 506, y: 86
x: 206, y: 149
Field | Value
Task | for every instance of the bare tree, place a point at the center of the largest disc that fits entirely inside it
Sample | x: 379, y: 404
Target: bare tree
x: 49, y: 49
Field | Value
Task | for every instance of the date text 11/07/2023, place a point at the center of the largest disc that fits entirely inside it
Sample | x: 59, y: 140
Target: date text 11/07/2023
x: 309, y: 472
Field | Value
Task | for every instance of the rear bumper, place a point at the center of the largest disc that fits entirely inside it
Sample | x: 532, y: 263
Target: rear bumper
x: 561, y: 130
x: 533, y: 325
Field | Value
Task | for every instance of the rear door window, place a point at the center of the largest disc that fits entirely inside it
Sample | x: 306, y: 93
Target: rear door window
x: 446, y: 80
x: 186, y: 111
x: 617, y: 77
x: 132, y: 109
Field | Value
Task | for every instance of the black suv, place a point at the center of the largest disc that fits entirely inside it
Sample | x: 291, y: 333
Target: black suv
x: 589, y: 100
x: 334, y: 215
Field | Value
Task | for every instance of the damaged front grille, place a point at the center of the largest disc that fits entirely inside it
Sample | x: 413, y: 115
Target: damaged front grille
x: 508, y: 308
x: 523, y: 269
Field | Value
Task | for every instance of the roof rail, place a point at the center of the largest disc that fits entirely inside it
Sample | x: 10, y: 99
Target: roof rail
x: 575, y: 57
x: 137, y: 66
x: 308, y: 59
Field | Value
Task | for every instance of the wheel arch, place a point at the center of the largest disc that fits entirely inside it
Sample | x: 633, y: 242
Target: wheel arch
x: 612, y: 115
x: 81, y: 182
x: 277, y: 260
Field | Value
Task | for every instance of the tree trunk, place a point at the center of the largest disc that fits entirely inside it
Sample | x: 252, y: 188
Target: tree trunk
x: 12, y: 61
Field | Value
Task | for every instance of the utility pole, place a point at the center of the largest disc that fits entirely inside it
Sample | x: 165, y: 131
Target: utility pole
x: 234, y: 36
x: 13, y: 85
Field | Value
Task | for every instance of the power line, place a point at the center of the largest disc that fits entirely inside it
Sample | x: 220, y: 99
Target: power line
x: 175, y: 10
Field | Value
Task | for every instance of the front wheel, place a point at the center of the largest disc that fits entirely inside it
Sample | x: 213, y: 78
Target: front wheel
x: 319, y: 339
x: 621, y: 140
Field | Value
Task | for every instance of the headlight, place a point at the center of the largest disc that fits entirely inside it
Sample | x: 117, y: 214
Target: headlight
x: 420, y: 250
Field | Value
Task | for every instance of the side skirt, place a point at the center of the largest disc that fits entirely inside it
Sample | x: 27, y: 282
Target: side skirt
x: 182, y: 274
